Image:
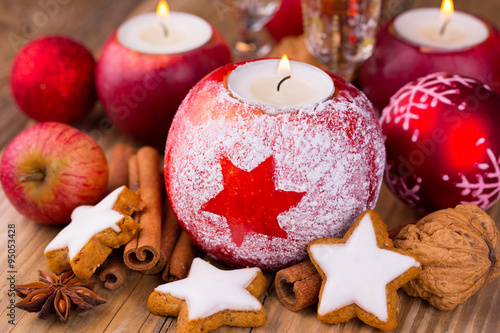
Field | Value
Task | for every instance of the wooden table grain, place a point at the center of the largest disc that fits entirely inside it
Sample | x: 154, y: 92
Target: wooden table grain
x: 91, y: 21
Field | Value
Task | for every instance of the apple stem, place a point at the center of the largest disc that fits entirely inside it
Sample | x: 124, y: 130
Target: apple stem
x: 31, y: 177
x: 283, y: 80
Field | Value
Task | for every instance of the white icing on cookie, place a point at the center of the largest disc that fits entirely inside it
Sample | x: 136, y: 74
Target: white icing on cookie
x: 86, y: 221
x: 208, y: 290
x: 358, y: 271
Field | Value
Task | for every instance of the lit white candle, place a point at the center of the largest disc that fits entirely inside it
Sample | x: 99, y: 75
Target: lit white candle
x: 301, y: 84
x: 440, y: 30
x: 164, y: 32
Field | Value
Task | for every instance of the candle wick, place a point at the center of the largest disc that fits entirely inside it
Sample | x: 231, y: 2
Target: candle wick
x: 164, y: 27
x: 443, y: 27
x: 283, y: 80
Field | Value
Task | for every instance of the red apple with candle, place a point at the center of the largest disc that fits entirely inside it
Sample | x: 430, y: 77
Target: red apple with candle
x: 141, y: 91
x: 52, y: 79
x: 395, y: 62
x: 443, y: 143
x: 252, y: 184
x: 50, y: 169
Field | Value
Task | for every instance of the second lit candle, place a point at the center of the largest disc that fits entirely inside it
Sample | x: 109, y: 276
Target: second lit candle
x: 299, y: 84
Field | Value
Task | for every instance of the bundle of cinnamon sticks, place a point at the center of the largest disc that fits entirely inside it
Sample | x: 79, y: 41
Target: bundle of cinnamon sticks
x: 160, y: 245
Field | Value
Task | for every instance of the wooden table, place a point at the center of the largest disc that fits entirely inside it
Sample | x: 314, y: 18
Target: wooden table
x: 91, y: 21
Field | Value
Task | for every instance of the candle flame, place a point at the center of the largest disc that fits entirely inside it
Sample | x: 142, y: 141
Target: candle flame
x: 284, y: 66
x: 162, y: 10
x: 447, y: 9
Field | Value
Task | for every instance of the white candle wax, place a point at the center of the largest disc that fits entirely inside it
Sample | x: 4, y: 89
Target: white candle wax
x: 257, y: 82
x: 422, y: 27
x: 144, y: 33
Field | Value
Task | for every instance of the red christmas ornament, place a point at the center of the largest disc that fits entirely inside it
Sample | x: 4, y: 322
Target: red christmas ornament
x: 52, y: 79
x: 443, y: 143
x: 287, y: 21
x: 254, y: 188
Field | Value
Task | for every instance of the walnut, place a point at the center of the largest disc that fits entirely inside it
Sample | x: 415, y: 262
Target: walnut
x: 459, y: 249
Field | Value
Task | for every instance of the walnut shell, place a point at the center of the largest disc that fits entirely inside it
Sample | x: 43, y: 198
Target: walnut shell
x: 459, y: 249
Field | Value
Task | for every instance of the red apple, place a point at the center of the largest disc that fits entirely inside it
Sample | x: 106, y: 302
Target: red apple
x: 50, y: 169
x: 141, y: 92
x: 287, y: 21
x: 254, y: 189
x: 395, y: 62
x: 52, y: 79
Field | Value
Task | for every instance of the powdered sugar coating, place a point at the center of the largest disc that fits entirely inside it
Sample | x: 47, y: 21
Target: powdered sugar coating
x: 333, y: 151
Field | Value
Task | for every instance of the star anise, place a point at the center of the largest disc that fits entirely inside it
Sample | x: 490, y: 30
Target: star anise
x: 57, y: 294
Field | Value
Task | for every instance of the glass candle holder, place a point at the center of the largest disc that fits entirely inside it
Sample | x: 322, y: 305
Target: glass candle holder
x: 341, y: 33
x: 252, y: 15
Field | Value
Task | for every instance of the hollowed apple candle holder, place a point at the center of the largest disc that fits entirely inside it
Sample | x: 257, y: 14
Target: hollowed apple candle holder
x: 411, y: 46
x: 147, y: 67
x: 254, y: 176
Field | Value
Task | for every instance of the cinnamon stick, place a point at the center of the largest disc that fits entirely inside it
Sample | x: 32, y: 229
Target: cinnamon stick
x: 118, y: 166
x: 181, y: 259
x: 114, y: 271
x: 298, y: 286
x: 169, y: 233
x: 133, y: 174
x: 133, y: 185
x: 143, y: 251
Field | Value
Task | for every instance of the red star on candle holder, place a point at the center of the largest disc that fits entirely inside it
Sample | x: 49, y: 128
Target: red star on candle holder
x: 250, y: 201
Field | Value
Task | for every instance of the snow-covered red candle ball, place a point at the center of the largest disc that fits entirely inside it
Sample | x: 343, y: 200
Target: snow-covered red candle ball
x: 424, y: 41
x: 442, y: 136
x: 148, y: 65
x: 253, y: 181
x: 52, y: 79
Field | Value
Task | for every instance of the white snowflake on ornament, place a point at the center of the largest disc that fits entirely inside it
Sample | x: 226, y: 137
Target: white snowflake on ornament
x: 398, y: 186
x: 442, y: 134
x: 485, y: 193
x: 404, y: 106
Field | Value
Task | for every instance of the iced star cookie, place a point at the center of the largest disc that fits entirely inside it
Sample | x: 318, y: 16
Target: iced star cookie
x: 209, y: 298
x: 85, y: 243
x: 361, y: 274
